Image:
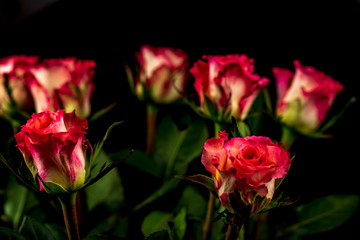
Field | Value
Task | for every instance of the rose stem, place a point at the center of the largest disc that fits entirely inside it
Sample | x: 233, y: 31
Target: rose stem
x: 288, y: 137
x: 211, y: 201
x: 68, y: 204
x: 151, y: 115
x: 235, y: 227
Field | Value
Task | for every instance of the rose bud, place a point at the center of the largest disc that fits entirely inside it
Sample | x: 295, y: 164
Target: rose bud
x: 62, y: 83
x: 162, y: 74
x: 229, y: 83
x: 13, y: 68
x: 304, y: 97
x: 245, y: 170
x: 53, y: 146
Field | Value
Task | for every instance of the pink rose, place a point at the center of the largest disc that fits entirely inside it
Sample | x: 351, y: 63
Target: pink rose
x: 15, y: 67
x: 229, y: 83
x: 162, y: 73
x: 62, y: 83
x: 53, y: 145
x: 304, y: 97
x: 246, y: 166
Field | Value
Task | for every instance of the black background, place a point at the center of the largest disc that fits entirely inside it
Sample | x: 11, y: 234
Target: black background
x: 325, y: 35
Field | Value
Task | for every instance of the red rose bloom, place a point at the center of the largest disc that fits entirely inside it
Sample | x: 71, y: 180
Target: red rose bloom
x: 62, y: 83
x: 247, y: 165
x: 229, y: 83
x: 162, y: 73
x: 53, y: 146
x: 15, y: 67
x: 304, y: 98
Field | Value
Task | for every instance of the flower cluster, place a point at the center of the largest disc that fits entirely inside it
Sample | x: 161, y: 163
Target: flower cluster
x: 46, y: 85
x: 243, y: 170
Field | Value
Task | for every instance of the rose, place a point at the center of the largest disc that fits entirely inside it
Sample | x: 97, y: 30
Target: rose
x: 304, y: 98
x: 229, y: 83
x: 14, y: 67
x: 53, y: 146
x: 62, y: 83
x: 162, y: 74
x: 245, y: 166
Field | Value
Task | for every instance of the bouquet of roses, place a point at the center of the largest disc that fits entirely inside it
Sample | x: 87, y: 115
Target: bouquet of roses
x: 210, y: 162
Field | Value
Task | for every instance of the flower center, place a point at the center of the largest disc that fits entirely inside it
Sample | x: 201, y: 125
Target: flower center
x: 250, y: 154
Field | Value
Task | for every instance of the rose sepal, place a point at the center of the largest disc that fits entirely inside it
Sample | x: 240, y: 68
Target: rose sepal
x: 106, y: 167
x: 325, y: 126
x: 337, y: 116
x: 203, y: 180
x: 22, y: 172
x: 98, y: 114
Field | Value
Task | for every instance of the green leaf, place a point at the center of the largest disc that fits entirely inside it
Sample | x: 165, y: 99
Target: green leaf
x: 323, y: 214
x: 139, y: 160
x: 192, y: 145
x: 15, y: 200
x: 180, y: 224
x: 194, y: 202
x: 243, y: 128
x: 6, y: 233
x: 32, y: 229
x: 210, y: 109
x: 166, y: 141
x: 174, y: 148
x: 106, y: 190
x: 155, y: 222
x: 203, y: 180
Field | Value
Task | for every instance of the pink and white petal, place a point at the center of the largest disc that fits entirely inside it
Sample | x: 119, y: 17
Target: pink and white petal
x: 51, y: 76
x: 49, y: 164
x: 283, y: 79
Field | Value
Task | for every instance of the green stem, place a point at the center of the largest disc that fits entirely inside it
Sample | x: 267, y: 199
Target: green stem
x: 68, y: 204
x: 288, y: 137
x: 20, y: 209
x: 209, y: 215
x: 151, y: 115
x: 234, y: 228
x: 171, y: 161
